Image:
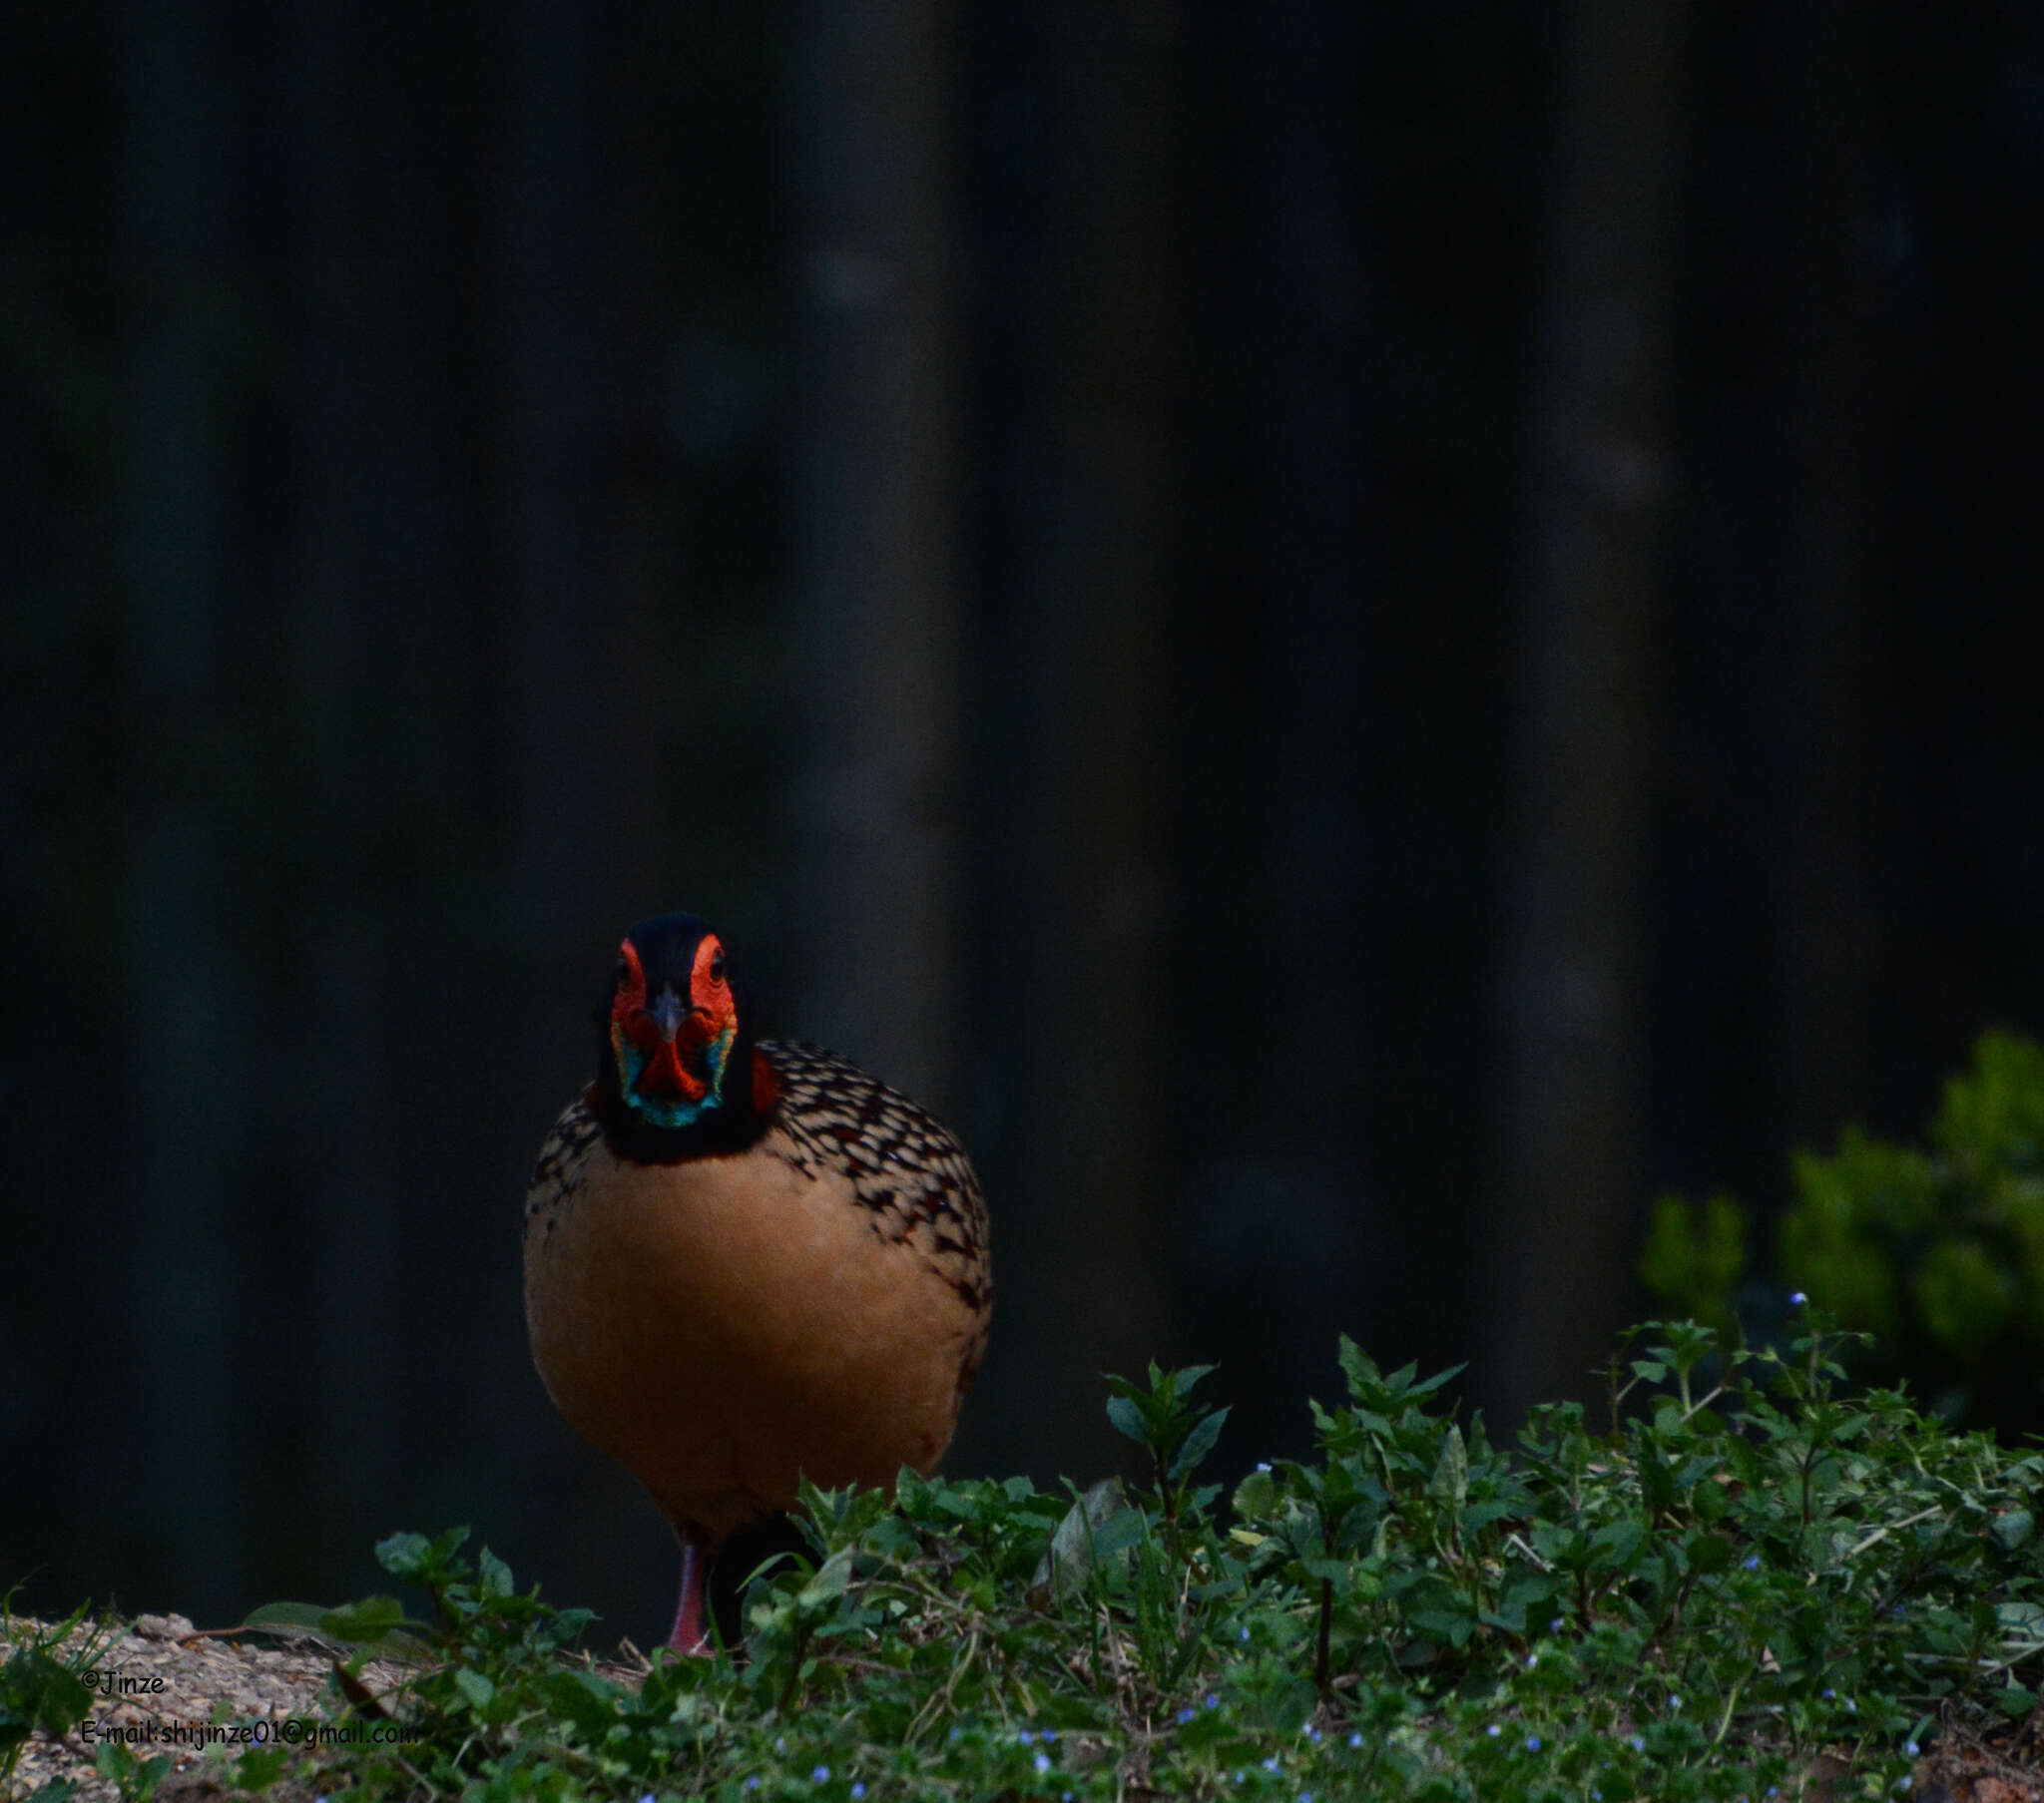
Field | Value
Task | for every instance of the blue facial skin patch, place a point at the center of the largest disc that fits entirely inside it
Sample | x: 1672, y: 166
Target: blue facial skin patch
x: 672, y: 1111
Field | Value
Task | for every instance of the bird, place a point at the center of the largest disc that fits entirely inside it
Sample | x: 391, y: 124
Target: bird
x: 746, y: 1262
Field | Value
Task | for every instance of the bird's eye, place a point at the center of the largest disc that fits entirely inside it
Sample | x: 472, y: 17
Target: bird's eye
x: 717, y: 967
x: 624, y: 969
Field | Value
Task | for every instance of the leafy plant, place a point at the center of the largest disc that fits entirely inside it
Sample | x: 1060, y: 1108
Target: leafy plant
x: 1751, y: 1567
x: 43, y: 1684
x: 1936, y: 1250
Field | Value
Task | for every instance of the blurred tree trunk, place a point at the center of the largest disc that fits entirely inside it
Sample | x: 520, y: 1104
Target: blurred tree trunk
x: 1305, y: 385
x: 338, y: 996
x: 1083, y: 341
x: 177, y: 1051
x: 583, y: 720
x: 1835, y: 593
x: 877, y: 623
x: 1583, y: 741
x: 388, y: 728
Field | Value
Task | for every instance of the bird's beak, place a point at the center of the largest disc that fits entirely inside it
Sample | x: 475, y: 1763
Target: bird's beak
x: 665, y: 1074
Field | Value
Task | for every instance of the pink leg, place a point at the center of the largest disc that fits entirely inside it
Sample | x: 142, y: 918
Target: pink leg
x: 689, y: 1635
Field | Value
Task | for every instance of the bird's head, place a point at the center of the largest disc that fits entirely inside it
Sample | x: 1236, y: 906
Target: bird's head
x: 674, y: 1049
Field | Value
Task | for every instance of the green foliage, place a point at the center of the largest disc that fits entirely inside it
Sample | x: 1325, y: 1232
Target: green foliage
x: 43, y: 1686
x: 1937, y: 1249
x: 1752, y: 1564
x: 1696, y: 1257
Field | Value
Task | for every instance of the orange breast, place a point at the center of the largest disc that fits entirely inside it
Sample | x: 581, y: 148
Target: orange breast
x: 720, y: 1325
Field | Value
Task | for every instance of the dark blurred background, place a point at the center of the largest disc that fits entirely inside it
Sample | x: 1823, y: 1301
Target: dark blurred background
x: 1355, y: 635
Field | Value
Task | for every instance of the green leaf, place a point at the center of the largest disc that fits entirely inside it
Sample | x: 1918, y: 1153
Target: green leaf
x: 1255, y: 1496
x: 373, y: 1619
x: 1616, y: 1543
x: 2014, y: 1700
x: 493, y: 1575
x: 1197, y: 1444
x: 1359, y: 1368
x: 405, y: 1555
x: 477, y: 1689
x: 2010, y: 1527
x: 1528, y: 1594
x: 1442, y: 1613
x: 913, y: 1492
x: 260, y: 1767
x: 1128, y: 1419
x: 589, y: 1701
x: 1428, y: 1385
x: 830, y: 1581
x: 39, y: 1691
x: 1710, y: 1554
x: 1657, y: 1477
x: 1081, y: 1541
x: 289, y: 1615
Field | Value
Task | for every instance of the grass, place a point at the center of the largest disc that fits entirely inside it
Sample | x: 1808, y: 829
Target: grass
x: 1750, y: 1577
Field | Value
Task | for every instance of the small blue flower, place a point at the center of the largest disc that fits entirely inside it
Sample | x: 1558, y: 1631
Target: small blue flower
x: 1797, y: 1299
x: 1851, y: 1708
x: 780, y: 1746
x: 1493, y: 1730
x: 1306, y: 1796
x: 1532, y: 1743
x: 1910, y: 1747
x: 822, y: 1775
x: 1245, y: 1633
x: 1355, y: 1740
x: 1025, y: 1737
x: 1042, y: 1762
x: 1532, y: 1659
x: 1046, y: 1735
x: 955, y: 1732
x: 1753, y: 1561
x: 1675, y: 1702
x: 1313, y: 1734
x: 647, y: 1798
x: 1829, y: 1694
x: 1639, y: 1744
x: 859, y: 1790
x: 1263, y: 1465
x: 1185, y: 1715
x: 1271, y: 1764
x: 1213, y: 1702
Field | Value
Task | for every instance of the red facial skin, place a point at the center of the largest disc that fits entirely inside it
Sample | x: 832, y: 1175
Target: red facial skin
x: 678, y: 1069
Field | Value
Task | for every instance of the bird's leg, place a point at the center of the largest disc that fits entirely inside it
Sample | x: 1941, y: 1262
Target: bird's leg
x: 690, y: 1636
